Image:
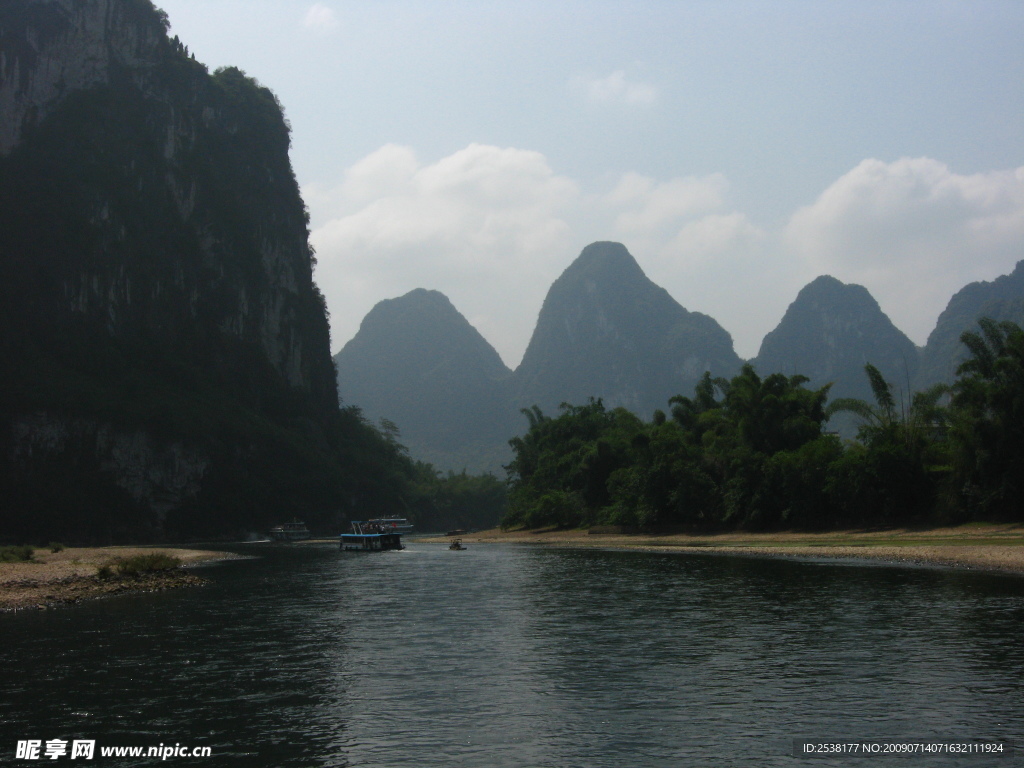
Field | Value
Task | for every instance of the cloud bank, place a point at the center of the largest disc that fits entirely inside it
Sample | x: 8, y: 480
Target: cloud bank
x: 493, y: 227
x: 484, y: 225
x: 913, y: 232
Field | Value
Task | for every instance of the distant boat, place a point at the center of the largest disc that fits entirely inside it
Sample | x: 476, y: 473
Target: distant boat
x: 290, y: 532
x: 456, y: 544
x: 377, y: 535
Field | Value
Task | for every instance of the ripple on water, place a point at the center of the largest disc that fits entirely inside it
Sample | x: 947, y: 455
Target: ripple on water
x: 512, y: 656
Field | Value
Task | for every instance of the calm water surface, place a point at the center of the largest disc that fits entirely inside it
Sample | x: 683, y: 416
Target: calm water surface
x: 518, y: 656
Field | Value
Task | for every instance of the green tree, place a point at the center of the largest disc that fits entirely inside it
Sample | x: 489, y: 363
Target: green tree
x: 988, y: 423
x: 895, y: 472
x: 560, y: 468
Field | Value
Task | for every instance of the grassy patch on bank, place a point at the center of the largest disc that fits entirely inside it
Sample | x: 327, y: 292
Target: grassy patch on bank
x: 17, y: 554
x: 135, y: 566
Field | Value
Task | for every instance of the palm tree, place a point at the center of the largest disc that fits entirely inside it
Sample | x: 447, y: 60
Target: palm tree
x: 882, y: 422
x: 989, y: 429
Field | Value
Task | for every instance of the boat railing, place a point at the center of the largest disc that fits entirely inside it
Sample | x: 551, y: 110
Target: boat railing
x: 364, y: 527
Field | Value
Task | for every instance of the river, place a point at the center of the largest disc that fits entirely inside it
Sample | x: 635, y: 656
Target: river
x: 506, y: 655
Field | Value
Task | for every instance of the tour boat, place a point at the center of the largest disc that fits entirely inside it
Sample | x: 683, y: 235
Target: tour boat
x: 290, y: 532
x: 377, y: 535
x: 393, y: 524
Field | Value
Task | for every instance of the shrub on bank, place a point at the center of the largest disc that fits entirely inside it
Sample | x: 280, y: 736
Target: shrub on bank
x: 137, y: 565
x: 17, y: 554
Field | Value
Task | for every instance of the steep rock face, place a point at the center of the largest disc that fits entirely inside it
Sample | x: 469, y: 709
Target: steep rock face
x: 829, y: 333
x: 153, y: 198
x: 605, y: 330
x: 417, y: 362
x: 51, y: 49
x: 157, y: 307
x: 1001, y: 299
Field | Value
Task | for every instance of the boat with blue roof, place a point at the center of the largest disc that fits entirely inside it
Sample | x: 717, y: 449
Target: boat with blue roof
x: 377, y: 535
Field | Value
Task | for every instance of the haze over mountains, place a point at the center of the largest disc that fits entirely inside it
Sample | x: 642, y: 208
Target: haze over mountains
x: 605, y: 330
x: 419, y: 363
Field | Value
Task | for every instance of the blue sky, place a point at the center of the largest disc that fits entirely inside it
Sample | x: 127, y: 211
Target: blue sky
x: 738, y: 149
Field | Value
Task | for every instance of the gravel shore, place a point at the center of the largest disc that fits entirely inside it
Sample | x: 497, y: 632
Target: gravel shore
x: 69, y: 576
x: 979, y: 546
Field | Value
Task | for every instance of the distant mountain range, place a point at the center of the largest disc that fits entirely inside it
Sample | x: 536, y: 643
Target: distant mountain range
x: 605, y: 330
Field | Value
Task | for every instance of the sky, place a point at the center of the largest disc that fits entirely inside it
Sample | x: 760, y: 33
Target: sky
x: 738, y: 149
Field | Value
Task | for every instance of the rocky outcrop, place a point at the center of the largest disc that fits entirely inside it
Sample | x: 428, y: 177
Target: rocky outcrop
x: 157, y: 476
x: 49, y: 50
x: 177, y: 182
x: 605, y: 330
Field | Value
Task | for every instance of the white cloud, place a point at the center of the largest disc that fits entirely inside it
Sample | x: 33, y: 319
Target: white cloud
x: 648, y: 204
x: 493, y: 227
x: 321, y: 19
x: 482, y: 225
x: 616, y: 88
x: 913, y: 232
x: 716, y: 237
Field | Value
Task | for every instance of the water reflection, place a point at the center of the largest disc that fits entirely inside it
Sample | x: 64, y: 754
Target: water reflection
x: 515, y: 656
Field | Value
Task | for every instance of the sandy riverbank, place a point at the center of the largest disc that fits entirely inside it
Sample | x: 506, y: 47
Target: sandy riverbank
x: 69, y: 576
x: 980, y: 546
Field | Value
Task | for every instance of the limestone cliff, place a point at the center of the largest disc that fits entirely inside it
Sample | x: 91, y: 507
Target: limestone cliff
x: 155, y: 195
x: 49, y: 50
x: 157, y: 309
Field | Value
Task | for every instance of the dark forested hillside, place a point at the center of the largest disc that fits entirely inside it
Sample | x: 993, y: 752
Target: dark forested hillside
x: 167, y: 370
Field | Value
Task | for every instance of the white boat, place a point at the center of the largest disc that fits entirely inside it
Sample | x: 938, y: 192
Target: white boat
x: 290, y: 532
